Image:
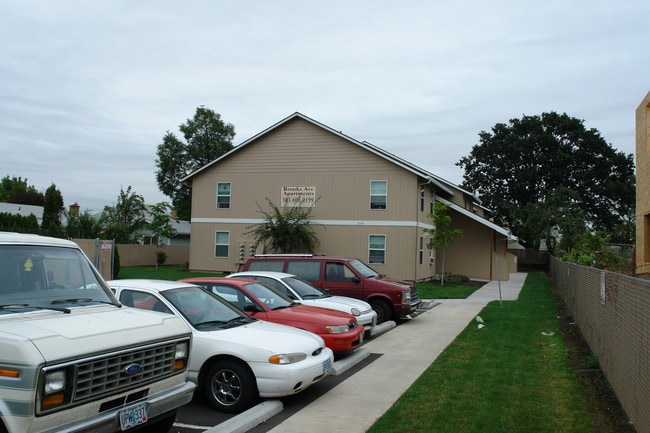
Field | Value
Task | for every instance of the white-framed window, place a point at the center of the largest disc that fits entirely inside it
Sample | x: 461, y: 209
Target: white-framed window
x: 223, y: 195
x: 221, y: 244
x: 422, y: 200
x: 377, y: 249
x: 378, y: 194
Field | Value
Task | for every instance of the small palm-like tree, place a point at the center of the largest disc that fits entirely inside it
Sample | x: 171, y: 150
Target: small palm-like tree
x: 288, y: 231
x: 442, y: 234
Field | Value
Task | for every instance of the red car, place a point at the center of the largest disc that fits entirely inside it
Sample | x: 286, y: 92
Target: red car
x: 338, y: 329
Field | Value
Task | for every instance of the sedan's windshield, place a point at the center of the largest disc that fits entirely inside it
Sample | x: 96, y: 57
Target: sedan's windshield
x: 47, y: 277
x: 363, y: 269
x: 304, y: 289
x: 268, y: 296
x: 204, y: 309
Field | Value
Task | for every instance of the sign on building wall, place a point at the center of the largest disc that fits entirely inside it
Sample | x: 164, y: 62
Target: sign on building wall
x: 298, y: 196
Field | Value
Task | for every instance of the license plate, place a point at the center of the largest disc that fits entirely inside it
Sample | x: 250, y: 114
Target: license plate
x: 327, y: 366
x: 132, y: 416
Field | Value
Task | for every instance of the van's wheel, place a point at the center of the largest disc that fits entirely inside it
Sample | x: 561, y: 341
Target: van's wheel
x: 230, y: 387
x: 383, y: 309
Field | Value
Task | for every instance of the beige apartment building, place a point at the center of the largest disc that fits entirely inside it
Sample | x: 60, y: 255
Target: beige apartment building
x: 366, y: 203
x: 643, y: 187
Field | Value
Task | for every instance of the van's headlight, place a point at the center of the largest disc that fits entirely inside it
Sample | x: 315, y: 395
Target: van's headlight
x: 356, y: 312
x: 336, y: 329
x: 55, y: 389
x: 287, y: 358
x: 406, y: 296
x: 181, y: 354
x: 54, y: 382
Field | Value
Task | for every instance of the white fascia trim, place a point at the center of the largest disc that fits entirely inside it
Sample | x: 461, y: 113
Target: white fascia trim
x: 479, y: 219
x: 321, y: 222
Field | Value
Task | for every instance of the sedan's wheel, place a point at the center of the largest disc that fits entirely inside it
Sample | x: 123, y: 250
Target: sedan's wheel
x: 230, y: 387
x: 383, y: 310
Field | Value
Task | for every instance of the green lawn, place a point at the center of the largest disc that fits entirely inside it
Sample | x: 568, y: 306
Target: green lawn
x: 506, y: 377
x: 433, y: 290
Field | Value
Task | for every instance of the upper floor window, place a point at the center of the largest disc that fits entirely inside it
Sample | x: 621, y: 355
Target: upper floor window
x: 377, y: 249
x: 421, y: 200
x: 378, y: 194
x: 221, y: 244
x: 223, y: 195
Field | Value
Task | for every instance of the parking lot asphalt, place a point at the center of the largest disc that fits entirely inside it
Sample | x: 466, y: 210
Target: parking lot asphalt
x: 406, y: 351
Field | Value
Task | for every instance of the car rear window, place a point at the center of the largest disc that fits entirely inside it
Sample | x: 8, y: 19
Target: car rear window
x: 308, y: 270
x: 266, y: 265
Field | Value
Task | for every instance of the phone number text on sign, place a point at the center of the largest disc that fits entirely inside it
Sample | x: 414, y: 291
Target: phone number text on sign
x: 300, y: 196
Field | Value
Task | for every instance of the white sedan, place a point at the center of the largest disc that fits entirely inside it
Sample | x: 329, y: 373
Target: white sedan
x: 301, y: 291
x: 234, y: 359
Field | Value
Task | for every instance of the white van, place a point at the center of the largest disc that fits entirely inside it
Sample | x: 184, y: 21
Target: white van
x: 72, y: 359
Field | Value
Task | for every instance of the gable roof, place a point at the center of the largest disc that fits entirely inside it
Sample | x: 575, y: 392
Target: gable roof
x: 442, y: 184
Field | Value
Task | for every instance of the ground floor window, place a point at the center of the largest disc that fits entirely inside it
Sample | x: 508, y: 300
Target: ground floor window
x: 421, y: 252
x: 222, y: 242
x: 377, y: 249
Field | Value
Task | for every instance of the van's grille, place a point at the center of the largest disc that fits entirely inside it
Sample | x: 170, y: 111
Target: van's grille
x: 108, y: 374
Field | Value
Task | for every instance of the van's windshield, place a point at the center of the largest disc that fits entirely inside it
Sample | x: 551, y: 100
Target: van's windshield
x: 363, y: 269
x: 47, y: 277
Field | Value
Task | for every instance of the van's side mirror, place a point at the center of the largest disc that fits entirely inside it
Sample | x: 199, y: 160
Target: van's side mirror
x: 355, y: 280
x: 251, y: 308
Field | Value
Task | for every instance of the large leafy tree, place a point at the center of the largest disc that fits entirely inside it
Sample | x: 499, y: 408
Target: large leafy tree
x: 52, y: 211
x: 124, y: 221
x: 16, y: 190
x: 207, y: 137
x: 288, y: 231
x: 548, y: 172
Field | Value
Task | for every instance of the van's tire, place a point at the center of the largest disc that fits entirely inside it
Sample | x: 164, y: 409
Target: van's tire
x: 383, y: 309
x: 230, y: 386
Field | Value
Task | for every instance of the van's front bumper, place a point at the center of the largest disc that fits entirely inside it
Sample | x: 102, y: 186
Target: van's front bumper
x: 109, y: 421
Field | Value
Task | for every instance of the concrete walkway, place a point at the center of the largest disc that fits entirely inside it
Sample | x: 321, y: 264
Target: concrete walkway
x: 355, y: 404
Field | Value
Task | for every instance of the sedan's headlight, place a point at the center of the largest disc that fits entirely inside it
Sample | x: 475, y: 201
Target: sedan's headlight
x: 355, y: 312
x: 333, y: 329
x: 287, y: 358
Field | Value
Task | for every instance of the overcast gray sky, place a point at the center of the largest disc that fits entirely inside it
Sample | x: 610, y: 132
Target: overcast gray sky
x: 89, y: 88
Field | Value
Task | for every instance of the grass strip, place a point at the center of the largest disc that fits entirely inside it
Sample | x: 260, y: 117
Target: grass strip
x: 433, y: 290
x: 505, y: 377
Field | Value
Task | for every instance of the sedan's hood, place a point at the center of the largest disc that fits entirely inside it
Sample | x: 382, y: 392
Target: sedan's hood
x: 311, y: 314
x: 341, y: 303
x: 271, y: 337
